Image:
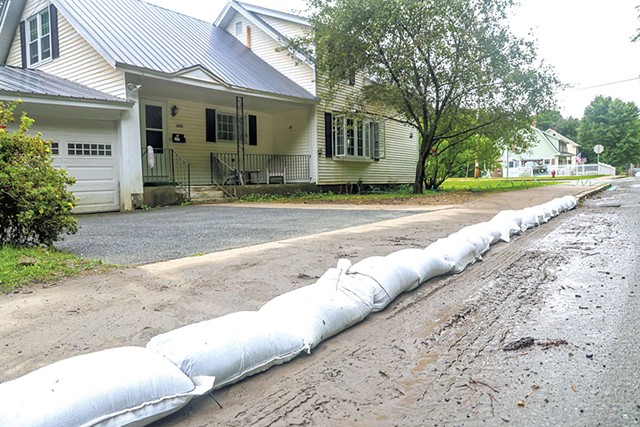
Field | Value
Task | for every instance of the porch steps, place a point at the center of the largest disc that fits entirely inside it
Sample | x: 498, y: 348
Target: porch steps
x: 201, y: 194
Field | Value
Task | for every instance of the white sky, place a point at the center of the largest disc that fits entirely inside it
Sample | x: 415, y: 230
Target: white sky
x: 588, y: 42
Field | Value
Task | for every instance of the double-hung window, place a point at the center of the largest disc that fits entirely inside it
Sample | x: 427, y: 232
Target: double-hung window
x: 222, y: 127
x: 226, y: 127
x: 39, y: 41
x: 39, y: 37
x: 357, y: 138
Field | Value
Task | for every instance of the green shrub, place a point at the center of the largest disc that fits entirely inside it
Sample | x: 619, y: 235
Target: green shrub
x: 35, y: 204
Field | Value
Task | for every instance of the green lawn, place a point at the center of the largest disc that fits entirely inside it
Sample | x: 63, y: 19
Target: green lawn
x: 21, y: 267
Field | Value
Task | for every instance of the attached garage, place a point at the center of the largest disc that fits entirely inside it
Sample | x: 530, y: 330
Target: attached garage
x: 96, y: 136
x: 88, y: 150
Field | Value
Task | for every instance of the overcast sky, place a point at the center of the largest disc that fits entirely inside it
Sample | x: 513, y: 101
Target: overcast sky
x: 587, y: 42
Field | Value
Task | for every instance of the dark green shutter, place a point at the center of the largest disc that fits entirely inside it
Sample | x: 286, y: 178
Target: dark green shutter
x: 328, y: 135
x: 253, y: 130
x: 55, y: 44
x: 23, y: 44
x: 210, y: 122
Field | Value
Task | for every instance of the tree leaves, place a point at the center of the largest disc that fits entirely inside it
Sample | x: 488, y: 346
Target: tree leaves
x: 435, y: 64
x: 614, y: 124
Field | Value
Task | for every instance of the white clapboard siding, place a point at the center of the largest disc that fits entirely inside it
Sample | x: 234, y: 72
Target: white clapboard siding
x: 269, y: 50
x: 78, y: 61
x: 401, y: 152
x: 284, y: 27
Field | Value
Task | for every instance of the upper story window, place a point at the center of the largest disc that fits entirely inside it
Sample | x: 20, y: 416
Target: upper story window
x: 39, y: 37
x: 238, y: 29
x: 562, y: 147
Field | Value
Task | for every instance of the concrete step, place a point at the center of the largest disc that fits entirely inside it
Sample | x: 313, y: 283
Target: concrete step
x: 207, y: 194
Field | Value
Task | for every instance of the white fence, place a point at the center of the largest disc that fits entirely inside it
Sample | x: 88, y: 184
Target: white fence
x: 563, y: 170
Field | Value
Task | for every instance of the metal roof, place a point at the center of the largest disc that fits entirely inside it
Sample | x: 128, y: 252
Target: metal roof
x: 141, y: 35
x: 252, y: 13
x: 33, y: 82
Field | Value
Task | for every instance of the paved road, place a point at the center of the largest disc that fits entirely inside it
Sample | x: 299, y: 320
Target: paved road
x: 174, y: 232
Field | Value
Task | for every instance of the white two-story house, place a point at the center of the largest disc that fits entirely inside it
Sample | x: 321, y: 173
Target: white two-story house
x: 133, y: 94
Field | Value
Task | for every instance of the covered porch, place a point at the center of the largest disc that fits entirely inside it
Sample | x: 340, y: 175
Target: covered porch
x: 191, y: 136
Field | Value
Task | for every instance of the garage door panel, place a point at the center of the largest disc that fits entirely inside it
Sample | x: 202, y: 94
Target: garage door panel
x: 86, y: 198
x: 96, y: 174
x: 87, y: 150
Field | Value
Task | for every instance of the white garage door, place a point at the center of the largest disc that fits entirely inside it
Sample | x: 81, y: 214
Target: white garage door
x: 88, y: 151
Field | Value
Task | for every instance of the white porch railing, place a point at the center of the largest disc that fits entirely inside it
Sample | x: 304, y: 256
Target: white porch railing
x: 562, y: 170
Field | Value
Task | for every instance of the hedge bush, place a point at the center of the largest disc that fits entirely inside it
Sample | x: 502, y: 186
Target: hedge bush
x: 35, y: 203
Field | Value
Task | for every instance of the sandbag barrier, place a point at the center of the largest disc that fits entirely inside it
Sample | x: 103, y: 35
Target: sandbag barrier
x: 136, y: 386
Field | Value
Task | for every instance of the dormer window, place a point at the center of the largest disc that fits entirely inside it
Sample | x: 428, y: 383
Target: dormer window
x: 39, y: 37
x: 238, y: 29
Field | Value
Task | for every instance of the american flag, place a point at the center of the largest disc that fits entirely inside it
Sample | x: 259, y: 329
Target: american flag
x: 579, y: 159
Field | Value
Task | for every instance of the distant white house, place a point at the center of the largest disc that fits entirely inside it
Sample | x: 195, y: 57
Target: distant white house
x: 551, y: 154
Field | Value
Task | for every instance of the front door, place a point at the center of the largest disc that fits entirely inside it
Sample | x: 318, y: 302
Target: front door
x: 153, y: 122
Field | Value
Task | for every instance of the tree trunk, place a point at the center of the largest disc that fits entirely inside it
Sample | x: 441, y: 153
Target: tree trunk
x: 419, y: 183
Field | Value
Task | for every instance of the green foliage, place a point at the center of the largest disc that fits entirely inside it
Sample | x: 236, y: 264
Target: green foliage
x: 615, y: 125
x: 451, y: 69
x: 568, y: 127
x: 35, y: 205
x: 23, y: 266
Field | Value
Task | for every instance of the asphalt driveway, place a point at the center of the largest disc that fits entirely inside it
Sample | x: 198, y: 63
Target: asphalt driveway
x: 160, y: 234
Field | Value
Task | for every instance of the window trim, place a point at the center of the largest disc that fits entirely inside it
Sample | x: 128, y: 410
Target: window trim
x: 355, y: 138
x: 53, y: 33
x: 37, y: 17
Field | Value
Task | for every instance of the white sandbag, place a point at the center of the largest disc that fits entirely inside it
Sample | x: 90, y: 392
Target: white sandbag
x: 317, y: 312
x: 387, y: 278
x: 529, y: 219
x: 457, y: 250
x: 229, y: 347
x: 510, y: 223
x: 426, y: 264
x: 116, y: 387
x: 569, y: 202
x: 546, y: 212
x: 490, y: 229
x: 555, y: 206
x: 479, y: 238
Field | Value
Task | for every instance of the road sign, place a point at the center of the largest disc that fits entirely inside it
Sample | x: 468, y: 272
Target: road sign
x: 598, y: 149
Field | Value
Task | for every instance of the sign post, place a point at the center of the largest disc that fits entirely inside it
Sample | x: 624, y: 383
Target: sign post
x: 598, y: 149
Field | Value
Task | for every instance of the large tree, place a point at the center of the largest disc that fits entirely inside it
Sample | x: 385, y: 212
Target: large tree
x: 615, y: 125
x: 451, y: 69
x: 549, y: 118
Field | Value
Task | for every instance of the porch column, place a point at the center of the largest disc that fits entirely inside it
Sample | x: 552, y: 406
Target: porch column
x: 131, y: 184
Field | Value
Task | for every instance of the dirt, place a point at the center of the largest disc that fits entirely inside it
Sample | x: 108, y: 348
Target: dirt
x: 433, y: 357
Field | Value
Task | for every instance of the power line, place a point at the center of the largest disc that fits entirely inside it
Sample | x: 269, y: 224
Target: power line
x: 607, y: 84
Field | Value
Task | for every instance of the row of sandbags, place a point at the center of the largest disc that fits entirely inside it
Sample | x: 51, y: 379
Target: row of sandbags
x: 135, y: 386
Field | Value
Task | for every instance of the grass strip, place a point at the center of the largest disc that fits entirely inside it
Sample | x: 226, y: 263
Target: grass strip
x: 20, y: 267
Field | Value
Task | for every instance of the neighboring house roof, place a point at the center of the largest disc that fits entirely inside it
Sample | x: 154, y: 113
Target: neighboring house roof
x: 10, y: 12
x: 561, y: 137
x: 137, y: 35
x: 22, y: 82
x: 252, y: 13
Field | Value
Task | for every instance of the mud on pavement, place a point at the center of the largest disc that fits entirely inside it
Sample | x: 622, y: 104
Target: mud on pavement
x: 434, y: 357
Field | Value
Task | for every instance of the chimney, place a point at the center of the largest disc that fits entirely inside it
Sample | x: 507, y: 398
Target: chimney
x: 554, y: 127
x: 248, y: 33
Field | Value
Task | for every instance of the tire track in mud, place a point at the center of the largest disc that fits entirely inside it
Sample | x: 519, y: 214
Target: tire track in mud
x: 403, y: 365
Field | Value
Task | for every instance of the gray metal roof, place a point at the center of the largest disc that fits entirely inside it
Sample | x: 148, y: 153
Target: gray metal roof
x: 141, y: 35
x: 22, y: 81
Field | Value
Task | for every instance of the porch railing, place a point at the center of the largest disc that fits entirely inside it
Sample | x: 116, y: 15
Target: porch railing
x: 165, y: 166
x: 259, y: 169
x: 562, y: 170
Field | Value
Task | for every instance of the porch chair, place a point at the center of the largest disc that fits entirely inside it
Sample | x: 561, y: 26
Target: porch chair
x: 276, y: 169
